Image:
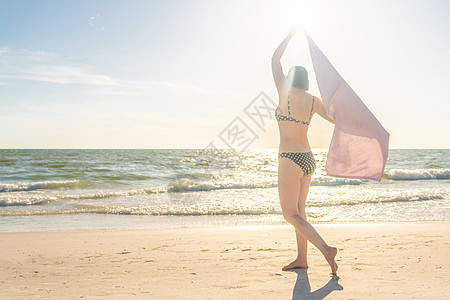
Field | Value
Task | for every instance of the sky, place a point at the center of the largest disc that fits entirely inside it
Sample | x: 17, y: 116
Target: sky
x: 176, y: 74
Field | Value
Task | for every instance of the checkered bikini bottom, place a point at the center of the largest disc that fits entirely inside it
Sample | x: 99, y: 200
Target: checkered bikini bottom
x: 305, y: 160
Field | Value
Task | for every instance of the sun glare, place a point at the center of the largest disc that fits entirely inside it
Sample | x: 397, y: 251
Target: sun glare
x: 301, y: 14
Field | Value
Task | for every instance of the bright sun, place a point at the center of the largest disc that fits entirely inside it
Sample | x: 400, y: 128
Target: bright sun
x: 302, y: 14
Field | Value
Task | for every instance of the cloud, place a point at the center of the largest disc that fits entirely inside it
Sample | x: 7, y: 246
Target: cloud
x: 113, y: 91
x: 62, y: 75
x: 25, y: 56
x: 96, y: 115
x: 93, y: 20
x: 45, y: 66
x: 49, y: 67
x: 178, y: 87
x: 65, y: 110
x: 70, y: 74
x: 78, y: 75
x: 133, y: 88
x: 40, y: 56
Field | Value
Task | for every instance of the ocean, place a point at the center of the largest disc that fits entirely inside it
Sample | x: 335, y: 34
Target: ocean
x: 50, y: 190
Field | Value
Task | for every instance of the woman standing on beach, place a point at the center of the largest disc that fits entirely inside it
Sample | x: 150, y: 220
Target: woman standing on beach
x: 296, y: 161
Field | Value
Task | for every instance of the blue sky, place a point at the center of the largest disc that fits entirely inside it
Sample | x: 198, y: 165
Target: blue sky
x: 174, y: 74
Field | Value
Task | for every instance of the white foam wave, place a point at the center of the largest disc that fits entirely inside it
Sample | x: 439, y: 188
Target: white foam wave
x: 408, y: 198
x: 168, y: 210
x: 185, y: 185
x: 92, y: 209
x: 25, y: 201
x: 325, y: 181
x: 182, y: 186
x: 46, y: 185
x: 418, y: 174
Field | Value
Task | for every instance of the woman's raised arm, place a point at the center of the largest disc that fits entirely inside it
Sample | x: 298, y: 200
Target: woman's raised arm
x: 277, y: 69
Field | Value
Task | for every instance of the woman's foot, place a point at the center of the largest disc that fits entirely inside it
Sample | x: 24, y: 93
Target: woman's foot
x: 296, y: 264
x: 330, y: 257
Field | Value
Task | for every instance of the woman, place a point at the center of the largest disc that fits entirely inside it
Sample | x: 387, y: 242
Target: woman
x: 296, y: 161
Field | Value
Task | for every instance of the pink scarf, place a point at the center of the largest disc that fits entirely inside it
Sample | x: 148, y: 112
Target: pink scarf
x: 360, y: 145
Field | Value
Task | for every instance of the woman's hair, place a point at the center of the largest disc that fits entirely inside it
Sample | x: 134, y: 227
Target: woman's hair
x: 298, y: 77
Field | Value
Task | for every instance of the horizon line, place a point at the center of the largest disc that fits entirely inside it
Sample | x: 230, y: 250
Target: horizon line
x: 192, y: 148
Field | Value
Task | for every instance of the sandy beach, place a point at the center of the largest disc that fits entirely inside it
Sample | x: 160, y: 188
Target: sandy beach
x: 376, y: 261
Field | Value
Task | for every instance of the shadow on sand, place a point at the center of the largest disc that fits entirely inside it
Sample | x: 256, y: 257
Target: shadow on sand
x: 302, y: 288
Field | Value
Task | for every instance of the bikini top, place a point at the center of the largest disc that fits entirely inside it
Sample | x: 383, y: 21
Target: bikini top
x: 291, y: 119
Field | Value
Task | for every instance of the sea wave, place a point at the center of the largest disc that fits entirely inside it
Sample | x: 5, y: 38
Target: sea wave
x: 186, y: 186
x: 26, y: 201
x: 329, y: 181
x: 180, y: 186
x: 49, y: 185
x: 417, y: 174
x: 169, y: 209
x: 46, y: 185
x: 4, y: 159
x: 393, y: 199
x: 138, y: 211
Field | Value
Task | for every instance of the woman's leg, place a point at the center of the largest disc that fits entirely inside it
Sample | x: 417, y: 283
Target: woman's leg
x: 289, y: 175
x: 302, y: 244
